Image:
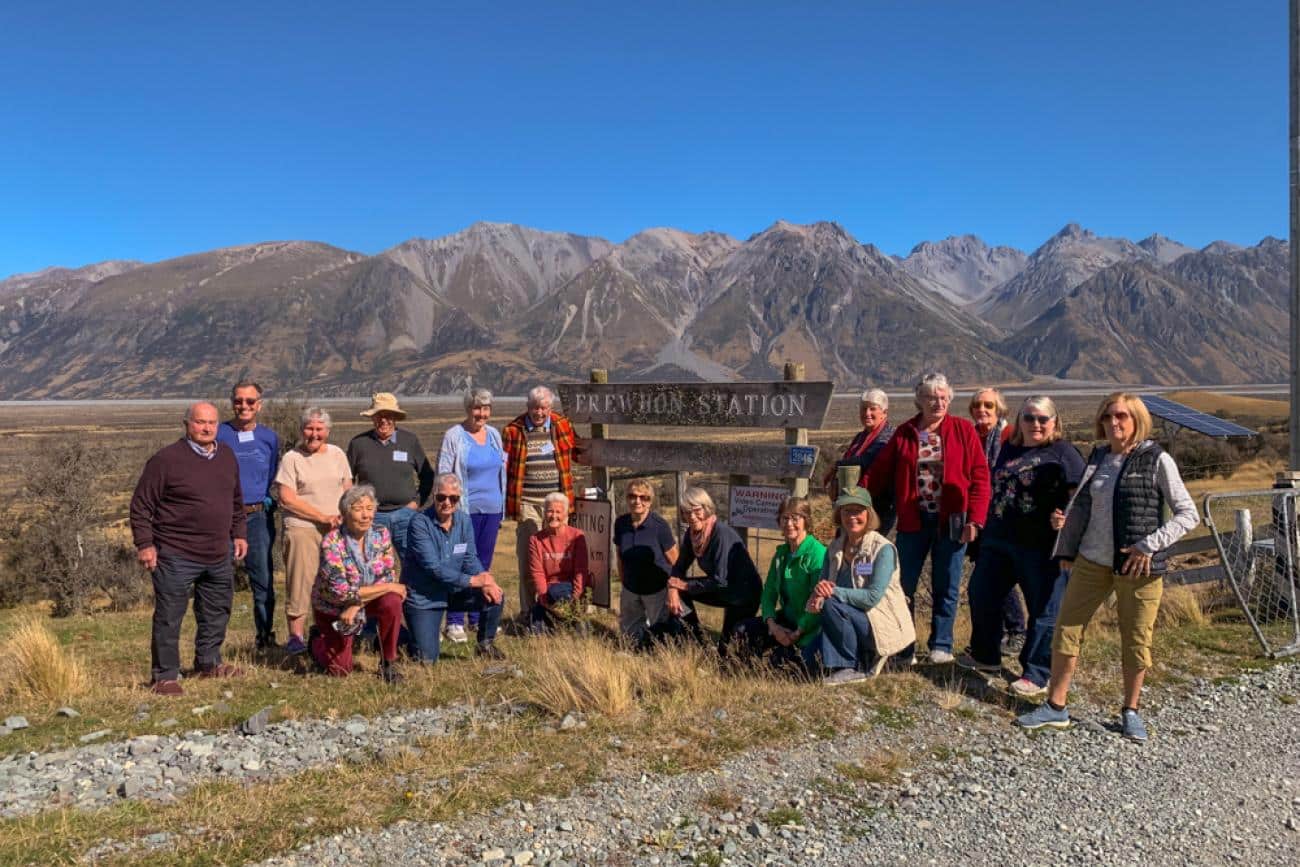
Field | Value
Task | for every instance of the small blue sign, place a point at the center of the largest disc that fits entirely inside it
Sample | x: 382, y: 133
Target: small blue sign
x: 803, y: 456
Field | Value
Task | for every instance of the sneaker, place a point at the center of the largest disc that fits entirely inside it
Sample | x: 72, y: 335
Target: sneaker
x: 166, y: 687
x: 1026, y: 688
x: 843, y: 676
x: 489, y: 650
x: 389, y: 673
x: 221, y: 670
x: 970, y: 663
x: 1044, y: 716
x: 941, y: 657
x: 1013, y: 643
x: 295, y: 645
x: 455, y: 633
x: 1133, y: 728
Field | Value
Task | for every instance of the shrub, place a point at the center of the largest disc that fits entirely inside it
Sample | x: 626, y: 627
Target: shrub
x: 61, y: 546
x: 36, y: 666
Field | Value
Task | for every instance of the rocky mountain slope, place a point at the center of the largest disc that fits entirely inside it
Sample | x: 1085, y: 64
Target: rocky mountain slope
x: 508, y: 306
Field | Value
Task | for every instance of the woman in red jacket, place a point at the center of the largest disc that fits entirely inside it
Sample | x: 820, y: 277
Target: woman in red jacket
x: 936, y: 472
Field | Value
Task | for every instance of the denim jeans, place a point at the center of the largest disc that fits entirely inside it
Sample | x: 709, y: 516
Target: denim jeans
x: 257, y: 562
x: 1003, y: 566
x: 396, y: 521
x: 846, y: 637
x: 540, y: 618
x: 425, y: 624
x: 485, y: 543
x: 945, y: 576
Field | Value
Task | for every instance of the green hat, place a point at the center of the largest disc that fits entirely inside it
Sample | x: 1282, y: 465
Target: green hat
x: 852, y: 497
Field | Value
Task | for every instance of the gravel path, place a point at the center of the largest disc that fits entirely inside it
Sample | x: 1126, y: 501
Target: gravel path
x: 1217, y: 783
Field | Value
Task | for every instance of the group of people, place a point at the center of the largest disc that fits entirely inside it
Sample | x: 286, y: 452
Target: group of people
x: 380, y: 538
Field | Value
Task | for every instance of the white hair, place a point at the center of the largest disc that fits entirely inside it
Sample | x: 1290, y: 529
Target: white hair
x: 354, y: 493
x: 477, y: 397
x: 933, y: 383
x: 539, y: 395
x: 693, y: 497
x: 555, y: 497
x: 876, y: 396
x: 313, y: 412
x: 447, y: 479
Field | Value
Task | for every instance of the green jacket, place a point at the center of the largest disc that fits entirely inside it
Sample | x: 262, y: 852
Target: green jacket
x: 790, y: 580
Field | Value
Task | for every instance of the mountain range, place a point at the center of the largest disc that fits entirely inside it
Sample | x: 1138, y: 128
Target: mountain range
x: 507, y: 306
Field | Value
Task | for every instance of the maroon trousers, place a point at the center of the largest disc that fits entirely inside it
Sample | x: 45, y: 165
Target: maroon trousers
x: 333, y: 652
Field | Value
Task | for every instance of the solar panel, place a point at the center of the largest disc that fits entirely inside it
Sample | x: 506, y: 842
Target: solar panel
x: 1185, y: 416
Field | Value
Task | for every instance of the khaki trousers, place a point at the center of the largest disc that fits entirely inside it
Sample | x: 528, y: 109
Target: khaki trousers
x: 1138, y: 602
x: 528, y: 526
x: 301, y: 563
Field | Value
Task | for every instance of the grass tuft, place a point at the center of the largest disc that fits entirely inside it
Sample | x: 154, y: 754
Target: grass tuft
x: 38, y: 667
x: 1179, y: 606
x: 567, y: 674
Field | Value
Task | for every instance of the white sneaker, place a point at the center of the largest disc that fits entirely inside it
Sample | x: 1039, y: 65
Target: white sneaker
x: 842, y: 677
x: 1026, y: 688
x: 454, y: 632
x: 941, y: 657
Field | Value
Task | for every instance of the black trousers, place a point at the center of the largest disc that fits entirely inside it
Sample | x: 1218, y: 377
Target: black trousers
x: 213, y: 585
x: 734, y: 613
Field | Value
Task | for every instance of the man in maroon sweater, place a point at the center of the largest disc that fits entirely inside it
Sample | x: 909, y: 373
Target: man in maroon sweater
x: 187, y: 514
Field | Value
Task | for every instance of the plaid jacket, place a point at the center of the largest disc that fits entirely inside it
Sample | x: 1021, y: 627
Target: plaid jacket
x: 515, y: 437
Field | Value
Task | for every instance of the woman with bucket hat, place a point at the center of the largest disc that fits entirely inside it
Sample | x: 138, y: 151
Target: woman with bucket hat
x: 865, y: 618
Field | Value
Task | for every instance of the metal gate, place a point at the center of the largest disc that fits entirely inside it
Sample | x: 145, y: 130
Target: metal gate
x: 1258, y: 538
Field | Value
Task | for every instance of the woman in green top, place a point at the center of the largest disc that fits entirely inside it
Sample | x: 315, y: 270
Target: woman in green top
x: 865, y: 618
x: 789, y: 632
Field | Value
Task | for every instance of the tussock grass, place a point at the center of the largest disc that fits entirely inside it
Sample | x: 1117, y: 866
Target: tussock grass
x: 36, y: 667
x: 1180, y: 606
x: 878, y: 768
x: 566, y: 673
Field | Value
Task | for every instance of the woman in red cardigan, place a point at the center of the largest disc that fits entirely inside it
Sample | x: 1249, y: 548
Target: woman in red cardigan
x: 935, y: 470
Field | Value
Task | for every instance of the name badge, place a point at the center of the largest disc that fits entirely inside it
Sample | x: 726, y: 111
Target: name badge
x: 400, y: 457
x: 245, y: 436
x: 925, y: 437
x: 460, y: 548
x: 862, y: 569
x: 544, y: 449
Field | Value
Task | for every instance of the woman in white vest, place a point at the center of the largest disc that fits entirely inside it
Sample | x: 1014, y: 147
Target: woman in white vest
x: 865, y: 619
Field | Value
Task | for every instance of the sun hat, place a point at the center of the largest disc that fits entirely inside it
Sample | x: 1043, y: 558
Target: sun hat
x: 383, y: 401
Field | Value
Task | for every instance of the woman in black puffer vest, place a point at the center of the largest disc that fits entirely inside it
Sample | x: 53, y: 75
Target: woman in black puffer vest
x: 1113, y: 539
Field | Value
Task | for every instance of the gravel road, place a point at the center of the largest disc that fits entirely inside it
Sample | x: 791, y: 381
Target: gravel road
x: 1217, y: 783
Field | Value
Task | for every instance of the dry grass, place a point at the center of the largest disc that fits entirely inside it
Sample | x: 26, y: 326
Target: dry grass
x: 876, y: 768
x: 37, y: 668
x: 565, y: 673
x: 1180, y: 606
x: 1234, y: 405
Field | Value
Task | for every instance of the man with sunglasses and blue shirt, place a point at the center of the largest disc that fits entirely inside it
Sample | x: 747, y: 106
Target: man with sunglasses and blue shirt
x: 257, y: 451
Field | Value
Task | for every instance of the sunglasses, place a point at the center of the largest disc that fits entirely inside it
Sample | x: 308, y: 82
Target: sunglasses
x: 447, y: 498
x: 984, y: 404
x: 641, y: 498
x: 1041, y: 419
x: 245, y: 401
x: 1117, y: 416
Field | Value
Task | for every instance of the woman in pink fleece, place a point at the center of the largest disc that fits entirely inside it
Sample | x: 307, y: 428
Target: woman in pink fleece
x: 557, y: 562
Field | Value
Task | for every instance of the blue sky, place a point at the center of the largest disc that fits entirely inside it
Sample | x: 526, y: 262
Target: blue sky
x: 149, y: 130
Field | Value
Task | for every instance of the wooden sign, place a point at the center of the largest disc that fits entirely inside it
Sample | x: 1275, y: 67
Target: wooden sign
x: 706, y: 404
x: 595, y: 518
x: 751, y: 459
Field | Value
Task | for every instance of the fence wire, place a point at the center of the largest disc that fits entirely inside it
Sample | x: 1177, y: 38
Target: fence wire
x: 1258, y: 537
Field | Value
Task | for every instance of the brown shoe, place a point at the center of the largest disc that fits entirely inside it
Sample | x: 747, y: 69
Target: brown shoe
x: 221, y: 669
x: 166, y: 687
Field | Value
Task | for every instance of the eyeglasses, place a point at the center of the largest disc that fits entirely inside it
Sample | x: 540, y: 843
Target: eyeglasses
x: 447, y: 498
x: 697, y: 512
x: 790, y: 519
x: 641, y: 498
x: 245, y: 401
x: 1115, y: 416
x: 1040, y: 419
x: 983, y: 404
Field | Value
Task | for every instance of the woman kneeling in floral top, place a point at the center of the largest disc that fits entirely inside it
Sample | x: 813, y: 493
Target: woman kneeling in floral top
x: 357, y: 580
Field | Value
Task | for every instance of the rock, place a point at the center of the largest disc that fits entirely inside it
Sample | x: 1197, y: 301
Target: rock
x: 757, y: 829
x: 356, y: 728
x: 14, y: 723
x: 94, y: 736
x: 569, y: 722
x: 67, y: 712
x: 256, y: 724
x: 252, y: 765
x: 168, y: 723
x: 523, y: 856
x: 493, y: 855
x: 130, y: 788
x: 155, y: 840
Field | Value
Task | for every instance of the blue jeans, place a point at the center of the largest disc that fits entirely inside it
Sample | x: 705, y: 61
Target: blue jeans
x: 846, y: 637
x: 945, y: 576
x: 485, y: 543
x: 1003, y: 566
x: 540, y: 618
x: 425, y: 624
x: 396, y: 521
x: 261, y: 574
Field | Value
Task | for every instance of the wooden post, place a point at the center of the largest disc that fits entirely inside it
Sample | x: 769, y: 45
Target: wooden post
x: 796, y: 436
x: 600, y: 475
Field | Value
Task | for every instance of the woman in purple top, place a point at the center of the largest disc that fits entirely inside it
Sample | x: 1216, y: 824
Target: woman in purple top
x: 473, y: 452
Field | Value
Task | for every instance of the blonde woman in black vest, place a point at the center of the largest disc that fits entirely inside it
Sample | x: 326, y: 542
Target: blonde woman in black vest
x: 1113, y: 539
